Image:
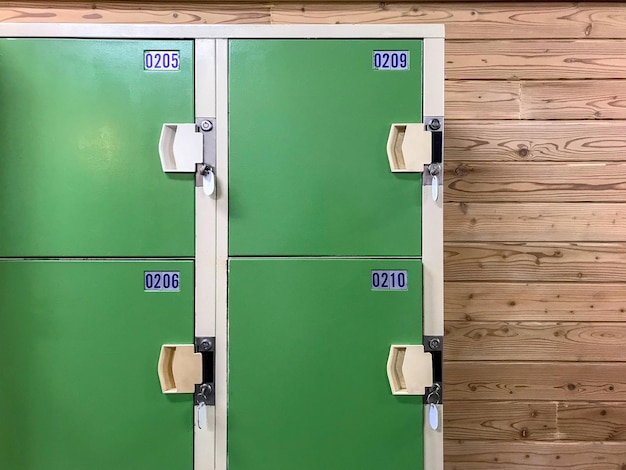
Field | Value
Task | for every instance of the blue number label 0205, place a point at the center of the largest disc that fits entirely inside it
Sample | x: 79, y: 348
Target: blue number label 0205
x: 161, y: 60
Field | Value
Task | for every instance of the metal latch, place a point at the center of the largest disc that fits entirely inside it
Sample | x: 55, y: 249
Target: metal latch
x: 433, y: 172
x: 206, y: 171
x: 434, y: 393
x: 205, y: 391
x: 411, y: 147
x: 190, y: 148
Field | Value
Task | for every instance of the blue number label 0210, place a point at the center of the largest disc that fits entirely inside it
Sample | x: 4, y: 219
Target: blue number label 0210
x: 389, y: 280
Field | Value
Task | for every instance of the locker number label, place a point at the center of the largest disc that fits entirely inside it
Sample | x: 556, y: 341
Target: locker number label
x: 389, y: 280
x: 161, y: 61
x: 161, y: 281
x: 390, y: 60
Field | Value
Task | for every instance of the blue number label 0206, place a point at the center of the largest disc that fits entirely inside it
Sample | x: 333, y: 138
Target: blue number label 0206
x: 161, y: 281
x: 161, y: 60
x: 391, y: 60
x: 389, y: 280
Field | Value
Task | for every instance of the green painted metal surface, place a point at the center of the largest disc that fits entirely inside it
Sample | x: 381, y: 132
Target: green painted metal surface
x: 308, y: 348
x: 308, y: 169
x: 79, y: 345
x: 79, y: 136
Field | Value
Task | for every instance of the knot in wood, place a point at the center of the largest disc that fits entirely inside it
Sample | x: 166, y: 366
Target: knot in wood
x: 461, y: 170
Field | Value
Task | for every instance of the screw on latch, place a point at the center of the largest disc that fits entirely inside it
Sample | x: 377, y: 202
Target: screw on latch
x: 205, y: 345
x: 434, y: 344
x: 434, y: 169
x: 434, y: 124
x: 206, y: 125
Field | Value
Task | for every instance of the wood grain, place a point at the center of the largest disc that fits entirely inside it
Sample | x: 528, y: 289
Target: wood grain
x: 592, y: 421
x: 539, y: 182
x: 520, y: 341
x: 135, y: 12
x: 553, y: 301
x: 536, y: 262
x: 556, y: 99
x: 482, y: 100
x: 535, y: 381
x: 463, y: 20
x: 522, y: 59
x: 473, y: 21
x: 512, y: 420
x: 507, y: 221
x: 573, y: 99
x: 520, y: 455
x: 530, y: 141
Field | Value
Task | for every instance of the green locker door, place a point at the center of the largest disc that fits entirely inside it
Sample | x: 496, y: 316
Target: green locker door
x: 308, y: 347
x: 308, y: 169
x: 79, y: 343
x: 79, y: 137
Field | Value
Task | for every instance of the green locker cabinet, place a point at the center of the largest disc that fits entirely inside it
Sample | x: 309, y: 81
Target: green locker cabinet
x: 294, y: 190
x: 309, y: 178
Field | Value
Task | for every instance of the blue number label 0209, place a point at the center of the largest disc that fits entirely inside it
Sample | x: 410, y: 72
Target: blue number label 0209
x: 391, y: 60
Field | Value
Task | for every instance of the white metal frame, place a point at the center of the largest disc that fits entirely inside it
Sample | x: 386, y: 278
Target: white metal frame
x: 211, y: 100
x: 206, y: 247
x: 151, y: 31
x: 221, y: 367
x: 432, y: 238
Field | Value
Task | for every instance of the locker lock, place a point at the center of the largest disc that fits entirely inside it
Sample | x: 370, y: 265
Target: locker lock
x: 191, y: 148
x: 189, y: 368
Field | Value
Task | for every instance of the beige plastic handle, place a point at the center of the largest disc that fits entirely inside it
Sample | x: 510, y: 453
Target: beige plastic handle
x: 409, y: 148
x: 180, y: 148
x: 180, y: 368
x: 409, y: 370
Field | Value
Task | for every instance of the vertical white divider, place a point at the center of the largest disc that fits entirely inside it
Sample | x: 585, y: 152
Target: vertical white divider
x: 432, y: 240
x: 205, y: 256
x: 221, y: 366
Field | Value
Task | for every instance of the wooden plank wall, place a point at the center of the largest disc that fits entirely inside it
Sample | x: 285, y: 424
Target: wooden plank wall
x: 535, y: 216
